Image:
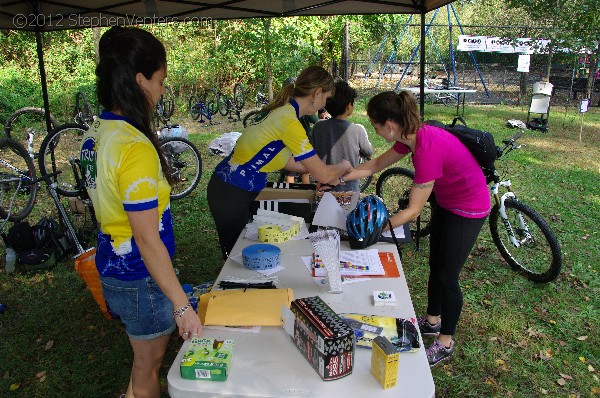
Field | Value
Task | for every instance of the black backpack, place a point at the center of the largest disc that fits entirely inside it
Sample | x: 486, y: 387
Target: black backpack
x: 38, y: 247
x: 480, y: 143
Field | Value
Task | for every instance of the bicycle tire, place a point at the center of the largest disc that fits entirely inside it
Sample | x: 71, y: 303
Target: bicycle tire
x: 250, y: 117
x: 17, y: 173
x: 83, y: 113
x: 186, y: 165
x: 60, y: 145
x: 238, y: 96
x: 211, y: 101
x: 393, y: 187
x: 365, y: 182
x: 223, y: 104
x: 194, y: 104
x: 539, y: 257
x: 24, y: 119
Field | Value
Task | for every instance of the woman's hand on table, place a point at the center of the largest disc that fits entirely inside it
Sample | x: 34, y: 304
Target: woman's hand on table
x: 189, y: 324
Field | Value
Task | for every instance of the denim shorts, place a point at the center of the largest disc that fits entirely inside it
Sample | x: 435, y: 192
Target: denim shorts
x: 142, y: 307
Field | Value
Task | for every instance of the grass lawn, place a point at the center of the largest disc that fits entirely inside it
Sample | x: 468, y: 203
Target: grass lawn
x: 515, y: 338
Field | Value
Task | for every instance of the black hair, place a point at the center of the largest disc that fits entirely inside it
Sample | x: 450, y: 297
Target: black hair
x: 125, y: 52
x: 344, y: 95
x: 400, y: 108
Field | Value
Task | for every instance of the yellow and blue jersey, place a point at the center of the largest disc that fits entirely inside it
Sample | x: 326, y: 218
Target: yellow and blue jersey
x: 122, y: 174
x: 266, y: 145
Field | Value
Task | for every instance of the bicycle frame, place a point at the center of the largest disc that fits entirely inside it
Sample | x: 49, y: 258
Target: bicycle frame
x: 203, y: 111
x: 502, y: 210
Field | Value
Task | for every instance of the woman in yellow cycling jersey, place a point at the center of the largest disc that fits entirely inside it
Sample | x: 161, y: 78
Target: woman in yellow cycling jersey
x: 271, y: 143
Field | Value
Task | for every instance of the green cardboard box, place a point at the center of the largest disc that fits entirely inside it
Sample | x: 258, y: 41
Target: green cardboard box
x: 207, y: 359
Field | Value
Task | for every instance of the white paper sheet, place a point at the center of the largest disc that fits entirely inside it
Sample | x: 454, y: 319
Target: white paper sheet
x: 330, y: 213
x: 398, y: 231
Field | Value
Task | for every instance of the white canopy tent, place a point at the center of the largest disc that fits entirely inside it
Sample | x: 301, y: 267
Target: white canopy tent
x: 48, y: 15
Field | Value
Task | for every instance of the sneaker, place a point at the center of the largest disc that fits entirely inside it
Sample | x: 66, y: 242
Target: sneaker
x: 427, y: 329
x: 437, y: 353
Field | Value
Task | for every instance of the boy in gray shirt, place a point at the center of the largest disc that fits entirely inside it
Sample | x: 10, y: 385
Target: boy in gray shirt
x: 336, y: 139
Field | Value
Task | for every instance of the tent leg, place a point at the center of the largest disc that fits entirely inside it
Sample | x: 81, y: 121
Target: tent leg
x: 40, y: 54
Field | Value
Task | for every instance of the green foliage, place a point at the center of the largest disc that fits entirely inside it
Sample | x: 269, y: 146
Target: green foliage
x: 515, y: 338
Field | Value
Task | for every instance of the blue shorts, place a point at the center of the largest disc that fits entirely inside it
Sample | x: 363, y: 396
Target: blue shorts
x: 142, y: 307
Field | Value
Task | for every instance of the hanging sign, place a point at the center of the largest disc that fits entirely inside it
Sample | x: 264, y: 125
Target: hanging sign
x: 499, y: 45
x: 471, y: 43
x: 523, y: 64
x: 523, y: 45
x: 584, y: 105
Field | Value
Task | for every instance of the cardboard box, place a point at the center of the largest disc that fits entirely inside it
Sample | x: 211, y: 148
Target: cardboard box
x: 324, y: 339
x: 207, y: 359
x: 294, y: 202
x: 384, y: 362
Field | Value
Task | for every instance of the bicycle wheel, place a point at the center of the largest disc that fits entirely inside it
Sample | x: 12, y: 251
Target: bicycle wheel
x: 186, y: 165
x: 223, y: 104
x: 17, y: 173
x: 365, y: 182
x: 27, y: 123
x: 60, y: 147
x: 211, y: 101
x: 252, y: 117
x: 238, y: 96
x: 194, y: 104
x: 537, y: 256
x: 83, y: 113
x: 393, y: 187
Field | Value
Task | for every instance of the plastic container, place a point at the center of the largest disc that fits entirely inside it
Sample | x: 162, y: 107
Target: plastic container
x: 11, y: 260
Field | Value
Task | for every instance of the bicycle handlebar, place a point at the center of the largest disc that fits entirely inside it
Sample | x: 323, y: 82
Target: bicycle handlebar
x: 510, y: 143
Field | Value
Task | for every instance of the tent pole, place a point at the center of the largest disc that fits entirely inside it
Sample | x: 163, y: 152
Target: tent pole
x: 40, y: 54
x: 422, y: 69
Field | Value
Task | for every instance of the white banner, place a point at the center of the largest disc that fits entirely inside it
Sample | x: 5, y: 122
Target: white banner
x: 471, y: 43
x: 523, y: 45
x: 499, y: 45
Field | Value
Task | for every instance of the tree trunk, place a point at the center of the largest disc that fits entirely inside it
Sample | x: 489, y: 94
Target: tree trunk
x: 269, y: 59
x: 549, y: 67
x: 96, y: 35
x: 346, y: 51
x: 591, y: 77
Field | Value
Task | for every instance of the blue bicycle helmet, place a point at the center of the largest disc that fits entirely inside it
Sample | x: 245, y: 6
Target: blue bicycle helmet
x: 365, y: 223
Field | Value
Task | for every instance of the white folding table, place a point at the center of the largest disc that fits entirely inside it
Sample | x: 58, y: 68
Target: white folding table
x: 268, y: 364
x: 457, y: 91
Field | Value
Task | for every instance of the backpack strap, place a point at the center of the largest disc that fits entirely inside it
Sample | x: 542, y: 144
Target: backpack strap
x: 458, y: 119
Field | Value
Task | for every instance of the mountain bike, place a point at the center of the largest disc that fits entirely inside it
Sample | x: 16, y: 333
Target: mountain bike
x: 204, y: 108
x: 17, y: 173
x: 260, y: 98
x: 228, y: 106
x: 185, y: 162
x: 18, y: 191
x: 165, y: 106
x: 59, y: 148
x: 83, y: 113
x: 521, y: 234
x: 27, y: 123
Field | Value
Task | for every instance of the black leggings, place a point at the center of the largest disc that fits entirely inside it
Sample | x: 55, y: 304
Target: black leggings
x: 230, y: 208
x: 452, y: 238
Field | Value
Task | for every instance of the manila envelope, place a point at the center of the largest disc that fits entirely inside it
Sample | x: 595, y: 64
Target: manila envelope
x: 249, y: 307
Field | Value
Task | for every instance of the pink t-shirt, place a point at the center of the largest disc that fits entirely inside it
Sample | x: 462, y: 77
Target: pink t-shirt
x: 460, y: 185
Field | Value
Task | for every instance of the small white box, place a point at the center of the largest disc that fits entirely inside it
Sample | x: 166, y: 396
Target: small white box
x: 384, y: 298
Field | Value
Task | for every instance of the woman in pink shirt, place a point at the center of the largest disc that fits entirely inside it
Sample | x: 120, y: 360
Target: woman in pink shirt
x: 445, y: 166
